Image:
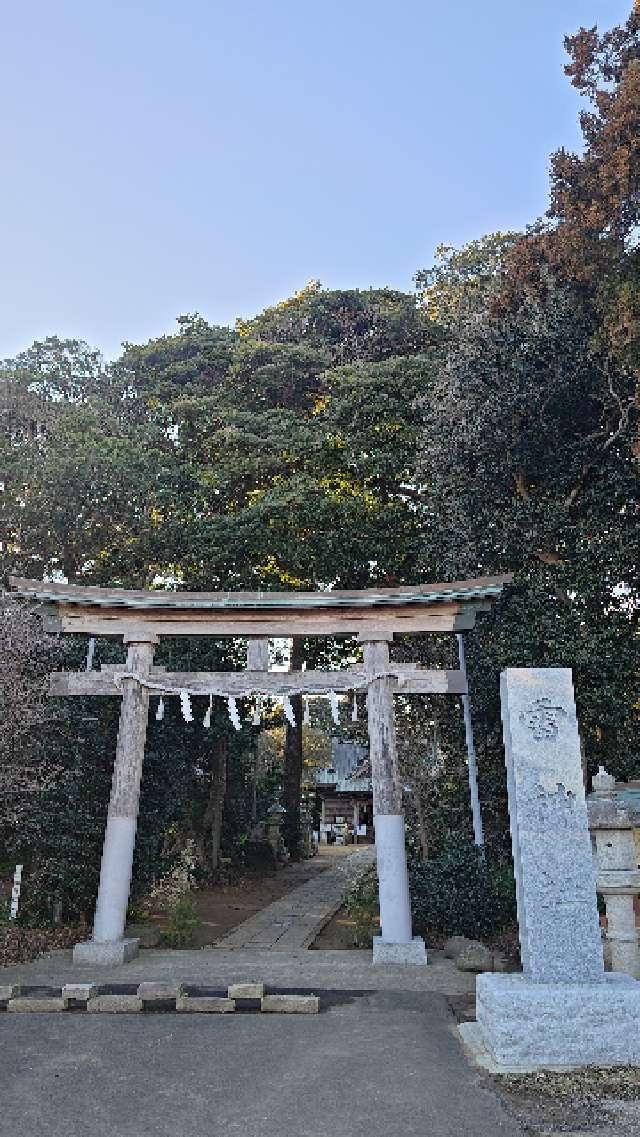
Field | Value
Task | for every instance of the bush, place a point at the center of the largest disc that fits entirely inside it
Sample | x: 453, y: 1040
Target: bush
x: 183, y: 921
x: 462, y: 893
x: 171, y: 888
x: 361, y: 903
x: 459, y: 893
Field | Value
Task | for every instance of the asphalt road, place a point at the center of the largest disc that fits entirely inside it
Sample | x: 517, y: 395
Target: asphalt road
x: 383, y: 1064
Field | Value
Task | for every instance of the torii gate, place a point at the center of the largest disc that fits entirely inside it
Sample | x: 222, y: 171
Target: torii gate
x: 140, y: 618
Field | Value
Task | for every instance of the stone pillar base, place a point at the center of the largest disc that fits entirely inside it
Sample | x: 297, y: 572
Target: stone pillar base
x: 106, y: 954
x: 412, y: 954
x: 523, y: 1026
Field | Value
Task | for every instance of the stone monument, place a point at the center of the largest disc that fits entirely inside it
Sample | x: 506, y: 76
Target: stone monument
x: 562, y: 1010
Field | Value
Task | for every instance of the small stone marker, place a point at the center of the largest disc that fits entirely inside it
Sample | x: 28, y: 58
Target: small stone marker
x: 114, y: 1004
x: 46, y: 1004
x: 205, y: 1004
x: 555, y: 886
x: 474, y: 956
x: 454, y: 945
x: 246, y: 991
x: 15, y: 892
x: 290, y: 1004
x: 79, y: 991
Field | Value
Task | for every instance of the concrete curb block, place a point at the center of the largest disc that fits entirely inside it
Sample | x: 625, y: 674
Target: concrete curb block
x: 205, y: 1004
x: 290, y: 1004
x: 46, y: 1004
x: 79, y: 992
x: 245, y: 991
x: 161, y: 997
x: 10, y: 991
x: 115, y: 1004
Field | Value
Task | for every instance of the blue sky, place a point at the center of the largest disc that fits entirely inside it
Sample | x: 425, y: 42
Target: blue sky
x: 161, y: 158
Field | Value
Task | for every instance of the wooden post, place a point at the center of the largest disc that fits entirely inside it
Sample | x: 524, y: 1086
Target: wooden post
x: 292, y: 769
x: 257, y: 653
x: 257, y: 660
x: 108, y: 945
x: 396, y: 943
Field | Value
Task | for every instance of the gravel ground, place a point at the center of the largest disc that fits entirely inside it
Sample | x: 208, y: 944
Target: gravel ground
x: 584, y: 1102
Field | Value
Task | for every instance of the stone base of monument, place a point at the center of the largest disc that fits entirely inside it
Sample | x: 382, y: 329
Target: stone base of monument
x: 523, y: 1026
x: 410, y: 954
x: 108, y: 954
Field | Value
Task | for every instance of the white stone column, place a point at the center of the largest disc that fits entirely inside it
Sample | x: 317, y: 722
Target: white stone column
x: 396, y: 943
x: 107, y: 945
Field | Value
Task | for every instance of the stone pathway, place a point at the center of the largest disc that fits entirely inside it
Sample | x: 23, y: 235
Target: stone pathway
x: 294, y: 921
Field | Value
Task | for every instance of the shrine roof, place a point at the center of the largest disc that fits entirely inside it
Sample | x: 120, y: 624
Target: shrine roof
x: 461, y: 592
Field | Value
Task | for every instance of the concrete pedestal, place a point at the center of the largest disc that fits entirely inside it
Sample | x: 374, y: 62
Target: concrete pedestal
x: 109, y: 953
x: 412, y: 953
x: 525, y: 1026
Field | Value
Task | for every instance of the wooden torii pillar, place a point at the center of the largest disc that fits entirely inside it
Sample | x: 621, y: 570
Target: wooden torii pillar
x: 140, y: 618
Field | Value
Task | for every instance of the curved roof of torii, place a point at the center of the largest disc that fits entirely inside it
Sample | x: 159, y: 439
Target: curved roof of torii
x: 480, y: 588
x: 385, y: 611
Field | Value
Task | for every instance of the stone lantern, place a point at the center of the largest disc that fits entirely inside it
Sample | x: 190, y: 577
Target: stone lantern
x: 308, y: 848
x: 602, y: 783
x: 272, y: 825
x: 617, y: 875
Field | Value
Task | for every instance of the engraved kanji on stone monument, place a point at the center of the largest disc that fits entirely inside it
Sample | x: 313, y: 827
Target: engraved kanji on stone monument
x: 557, y: 911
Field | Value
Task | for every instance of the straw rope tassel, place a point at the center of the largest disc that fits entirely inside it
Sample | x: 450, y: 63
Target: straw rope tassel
x: 288, y: 710
x: 185, y: 704
x: 233, y: 712
x: 256, y: 718
x: 335, y: 709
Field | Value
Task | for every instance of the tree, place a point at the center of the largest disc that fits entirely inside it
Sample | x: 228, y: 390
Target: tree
x: 459, y: 275
x: 528, y: 448
x: 28, y: 654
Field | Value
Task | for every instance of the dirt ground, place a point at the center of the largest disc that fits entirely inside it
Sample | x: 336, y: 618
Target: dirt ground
x: 337, y: 935
x: 582, y: 1103
x: 224, y: 907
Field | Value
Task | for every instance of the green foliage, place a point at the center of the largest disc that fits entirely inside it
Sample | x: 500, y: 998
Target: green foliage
x: 361, y: 903
x: 459, y: 274
x: 183, y: 921
x: 461, y: 892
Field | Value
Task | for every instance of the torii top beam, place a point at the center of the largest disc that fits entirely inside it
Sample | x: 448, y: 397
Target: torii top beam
x: 370, y: 613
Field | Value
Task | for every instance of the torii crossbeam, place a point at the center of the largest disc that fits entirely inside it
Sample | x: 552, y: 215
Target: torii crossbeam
x: 140, y: 618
